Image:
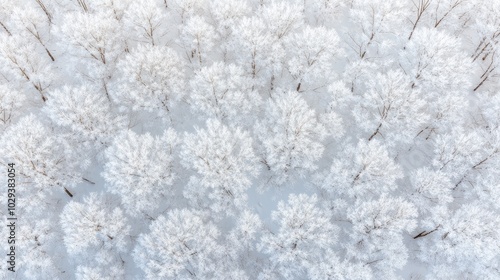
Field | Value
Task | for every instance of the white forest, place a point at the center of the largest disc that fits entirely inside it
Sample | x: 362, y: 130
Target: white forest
x: 271, y: 139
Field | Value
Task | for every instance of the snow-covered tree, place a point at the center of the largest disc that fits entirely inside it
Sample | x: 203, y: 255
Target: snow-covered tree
x: 312, y: 53
x: 186, y: 8
x: 439, y: 68
x: 485, y: 31
x: 468, y: 155
x: 86, y: 112
x: 376, y: 237
x: 464, y: 244
x: 359, y: 72
x: 391, y: 109
x: 225, y: 164
x: 305, y: 230
x: 456, y: 152
x: 99, y: 272
x: 21, y: 63
x: 291, y: 136
x: 150, y: 78
x: 115, y: 9
x: 419, y: 10
x: 254, y: 49
x: 329, y: 266
x: 239, y: 259
x: 180, y: 245
x: 5, y: 12
x: 282, y: 18
x: 95, y: 230
x: 96, y: 41
x: 35, y: 240
x: 241, y: 239
x: 452, y: 15
x: 226, y: 14
x: 429, y: 189
x: 11, y: 102
x: 146, y: 20
x: 198, y: 37
x: 487, y: 27
x: 336, y: 106
x: 485, y: 122
x: 372, y: 22
x: 361, y: 169
x: 94, y: 36
x: 485, y: 188
x: 31, y: 22
x: 222, y: 91
x: 44, y: 160
x: 140, y: 170
x: 322, y: 12
x: 435, y: 62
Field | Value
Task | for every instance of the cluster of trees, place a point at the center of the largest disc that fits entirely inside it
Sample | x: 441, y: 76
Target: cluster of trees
x: 196, y: 139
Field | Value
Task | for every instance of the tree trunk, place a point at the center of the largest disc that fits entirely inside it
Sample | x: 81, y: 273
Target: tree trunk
x: 68, y: 192
x: 50, y: 55
x: 375, y: 133
x: 425, y: 233
x: 5, y: 28
x: 45, y: 10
